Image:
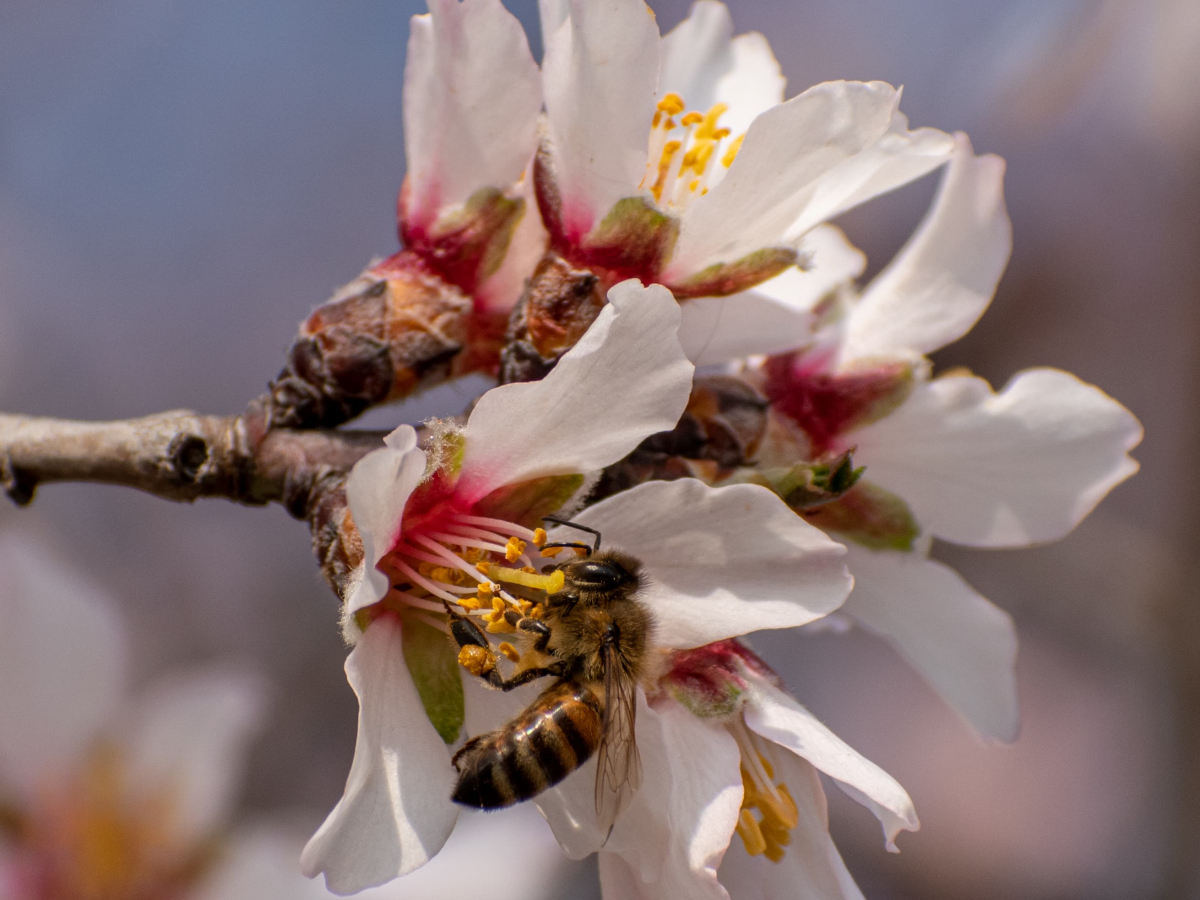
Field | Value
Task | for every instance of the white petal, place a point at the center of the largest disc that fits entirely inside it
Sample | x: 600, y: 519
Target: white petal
x: 262, y: 863
x: 625, y: 380
x: 699, y: 812
x: 552, y: 14
x: 705, y: 64
x: 1002, y: 470
x: 472, y: 94
x: 964, y: 645
x: 377, y: 490
x: 801, y: 163
x: 396, y: 812
x: 62, y: 663
x: 779, y: 718
x: 943, y: 279
x: 775, y: 316
x: 722, y: 561
x: 189, y: 734
x: 811, y: 868
x: 599, y: 75
x: 504, y: 855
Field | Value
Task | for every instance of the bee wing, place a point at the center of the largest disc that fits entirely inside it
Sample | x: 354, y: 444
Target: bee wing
x: 619, y: 767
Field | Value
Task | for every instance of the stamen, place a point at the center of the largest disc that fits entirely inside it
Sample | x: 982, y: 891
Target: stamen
x: 497, y: 525
x: 779, y: 815
x: 671, y: 104
x: 456, y: 561
x: 421, y: 580
x: 692, y: 118
x: 509, y: 651
x: 514, y: 549
x: 731, y: 154
x: 551, y: 552
x: 539, y: 537
x: 551, y: 583
x: 750, y: 833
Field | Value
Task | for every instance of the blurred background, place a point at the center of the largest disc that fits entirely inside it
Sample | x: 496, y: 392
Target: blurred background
x: 181, y: 181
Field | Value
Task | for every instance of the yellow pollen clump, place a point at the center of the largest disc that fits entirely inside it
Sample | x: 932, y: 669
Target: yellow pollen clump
x: 551, y: 552
x: 537, y: 611
x: 483, y: 567
x: 539, y: 537
x: 509, y: 651
x: 692, y: 118
x: 469, y: 602
x: 476, y: 660
x: 513, y: 549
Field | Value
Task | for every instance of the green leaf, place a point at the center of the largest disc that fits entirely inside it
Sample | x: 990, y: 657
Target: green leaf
x: 433, y: 664
x: 526, y: 502
x: 869, y: 516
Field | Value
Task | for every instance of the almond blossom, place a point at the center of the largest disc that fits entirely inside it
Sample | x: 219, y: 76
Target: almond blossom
x: 107, y: 796
x: 945, y: 457
x: 446, y: 523
x: 676, y: 159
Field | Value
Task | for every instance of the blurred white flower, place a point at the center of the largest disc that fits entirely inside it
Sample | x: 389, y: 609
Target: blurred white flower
x: 677, y: 160
x: 945, y: 457
x: 721, y: 562
x: 106, y: 797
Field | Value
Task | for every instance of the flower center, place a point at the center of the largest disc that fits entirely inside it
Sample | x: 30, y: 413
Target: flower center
x: 472, y: 563
x: 92, y: 839
x: 683, y: 147
x: 768, y: 832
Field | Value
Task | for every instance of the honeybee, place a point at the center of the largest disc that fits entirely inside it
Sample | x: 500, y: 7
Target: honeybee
x: 593, y: 638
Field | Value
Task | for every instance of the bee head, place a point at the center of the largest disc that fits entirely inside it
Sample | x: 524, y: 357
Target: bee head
x: 607, y: 571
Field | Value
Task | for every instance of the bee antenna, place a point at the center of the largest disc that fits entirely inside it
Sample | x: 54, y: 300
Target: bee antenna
x: 557, y: 521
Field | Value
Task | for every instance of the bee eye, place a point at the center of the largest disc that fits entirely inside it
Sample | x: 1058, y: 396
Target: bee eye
x: 599, y: 574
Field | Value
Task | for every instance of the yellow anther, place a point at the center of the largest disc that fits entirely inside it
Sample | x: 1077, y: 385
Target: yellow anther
x: 708, y: 128
x: 525, y: 606
x: 552, y: 552
x: 721, y: 133
x: 773, y: 852
x: 750, y: 833
x: 692, y: 118
x: 499, y: 606
x: 671, y: 104
x: 486, y: 587
x: 539, y: 537
x: 537, y: 611
x: 476, y: 660
x: 580, y: 551
x: 528, y: 570
x: 513, y: 549
x: 695, y: 184
x: 500, y: 626
x: 780, y: 837
x: 509, y: 651
x: 731, y: 154
x: 792, y: 814
x: 657, y: 118
x: 469, y: 602
x: 548, y: 583
x: 483, y: 567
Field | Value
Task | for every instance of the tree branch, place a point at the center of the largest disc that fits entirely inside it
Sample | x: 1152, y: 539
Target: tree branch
x: 178, y: 455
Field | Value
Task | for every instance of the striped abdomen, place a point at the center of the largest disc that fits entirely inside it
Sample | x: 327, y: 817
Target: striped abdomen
x: 537, y: 750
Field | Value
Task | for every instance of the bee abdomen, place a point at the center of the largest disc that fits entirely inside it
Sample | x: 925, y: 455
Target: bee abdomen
x: 546, y: 743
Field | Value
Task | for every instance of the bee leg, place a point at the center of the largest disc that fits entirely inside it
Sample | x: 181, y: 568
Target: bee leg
x: 475, y: 651
x: 527, y: 675
x: 539, y: 628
